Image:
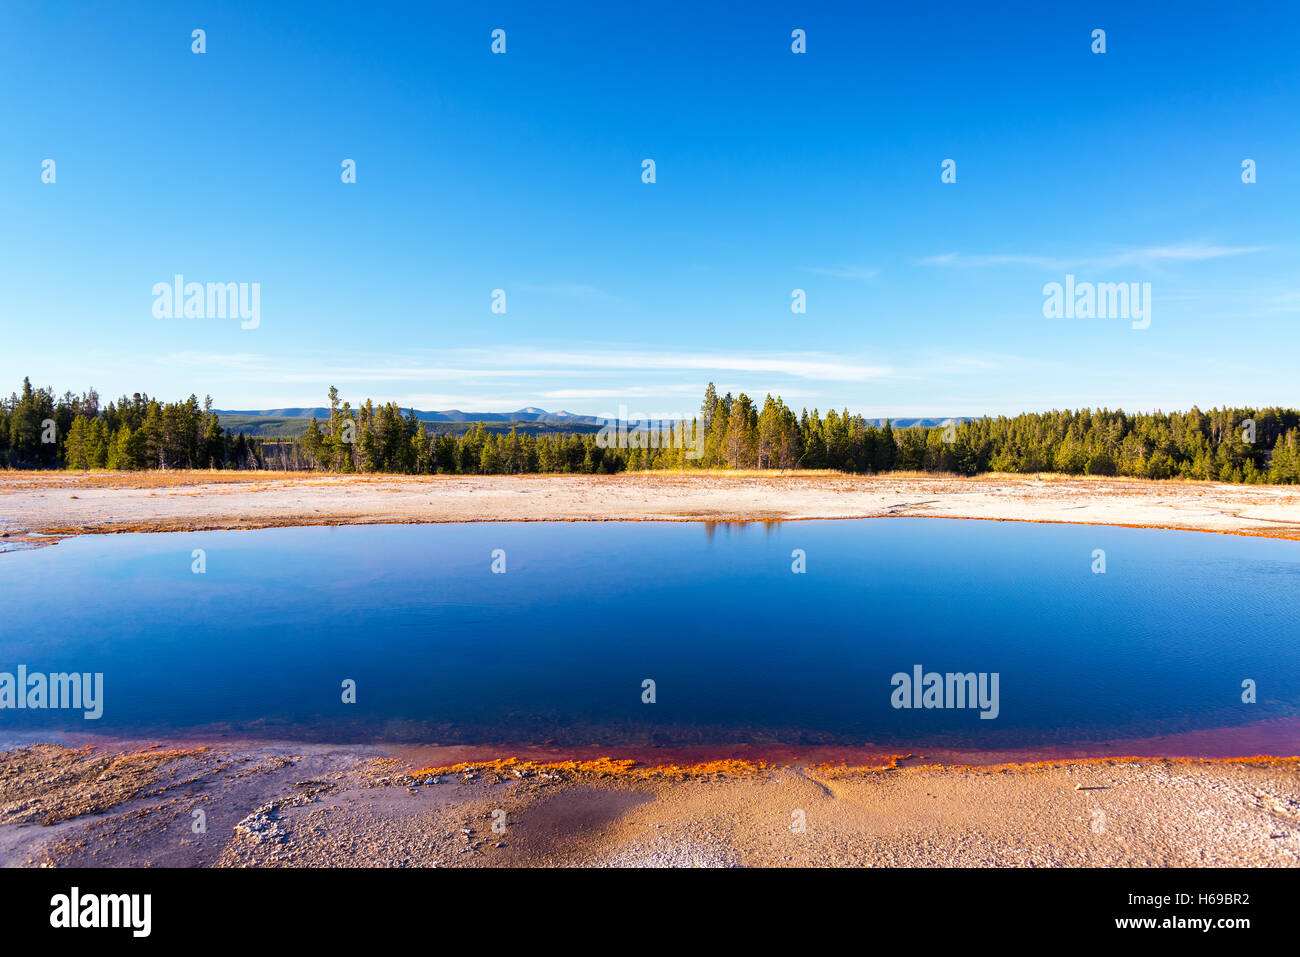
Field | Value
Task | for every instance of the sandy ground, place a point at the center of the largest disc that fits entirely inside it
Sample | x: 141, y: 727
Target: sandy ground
x: 271, y: 805
x: 75, y: 503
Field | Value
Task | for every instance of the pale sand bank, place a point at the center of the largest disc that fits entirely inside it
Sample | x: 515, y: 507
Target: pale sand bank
x: 76, y: 503
x: 281, y: 805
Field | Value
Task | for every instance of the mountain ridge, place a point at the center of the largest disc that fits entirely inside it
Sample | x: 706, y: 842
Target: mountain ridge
x: 531, y: 414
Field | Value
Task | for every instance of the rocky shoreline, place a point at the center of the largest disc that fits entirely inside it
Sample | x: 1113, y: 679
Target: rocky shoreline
x: 321, y: 806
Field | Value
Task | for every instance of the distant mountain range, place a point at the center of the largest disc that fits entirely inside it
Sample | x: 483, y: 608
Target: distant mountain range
x: 530, y: 414
x: 280, y: 424
x: 924, y: 423
x: 451, y: 415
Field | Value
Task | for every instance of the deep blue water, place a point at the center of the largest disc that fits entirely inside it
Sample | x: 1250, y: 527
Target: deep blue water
x: 741, y: 649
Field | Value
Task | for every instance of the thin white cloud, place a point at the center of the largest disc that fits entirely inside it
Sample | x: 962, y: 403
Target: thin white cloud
x: 845, y: 272
x: 519, y: 362
x: 225, y: 360
x: 639, y: 391
x: 1286, y: 302
x: 970, y: 261
x: 1150, y: 257
x: 444, y: 402
x: 1153, y: 256
x: 568, y: 290
x: 799, y: 365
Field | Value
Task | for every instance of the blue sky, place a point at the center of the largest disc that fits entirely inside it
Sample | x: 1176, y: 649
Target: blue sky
x: 775, y: 171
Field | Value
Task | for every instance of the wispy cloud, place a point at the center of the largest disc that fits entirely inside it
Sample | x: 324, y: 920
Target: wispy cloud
x: 966, y: 261
x: 624, y: 392
x: 1286, y: 302
x: 920, y: 379
x: 798, y: 364
x: 1150, y: 257
x: 567, y: 290
x: 845, y: 272
x: 519, y: 362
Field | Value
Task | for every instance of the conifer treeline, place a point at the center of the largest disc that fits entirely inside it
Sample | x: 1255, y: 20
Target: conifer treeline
x: 135, y: 432
x: 138, y: 432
